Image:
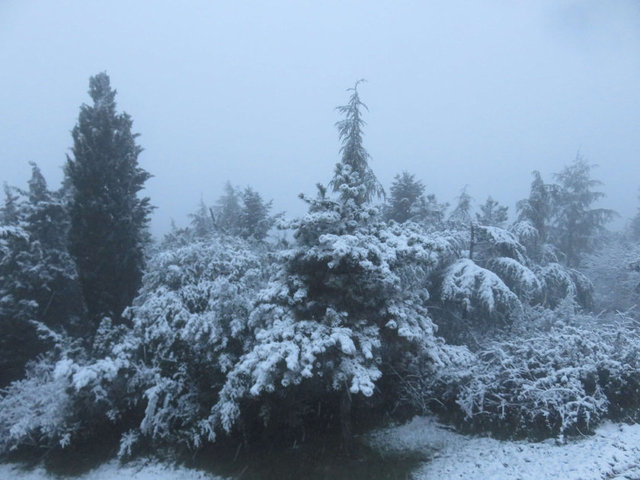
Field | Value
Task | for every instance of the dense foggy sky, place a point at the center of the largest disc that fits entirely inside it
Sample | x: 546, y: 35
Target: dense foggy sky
x: 459, y: 93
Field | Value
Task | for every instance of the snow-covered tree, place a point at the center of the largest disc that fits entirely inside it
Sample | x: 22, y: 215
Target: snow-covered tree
x: 406, y: 200
x: 492, y: 213
x: 538, y: 208
x: 353, y: 178
x: 108, y: 220
x: 38, y: 281
x: 19, y: 342
x: 343, y: 309
x: 202, y: 221
x: 254, y: 220
x: 227, y: 210
x: 460, y: 217
x: 57, y: 290
x: 577, y: 223
x: 613, y: 269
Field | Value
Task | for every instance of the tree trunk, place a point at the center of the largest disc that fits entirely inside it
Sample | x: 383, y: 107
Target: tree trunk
x: 345, y: 421
x: 471, y: 243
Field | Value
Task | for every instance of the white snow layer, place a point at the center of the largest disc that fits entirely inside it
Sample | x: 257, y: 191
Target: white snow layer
x: 142, y: 470
x: 612, y: 453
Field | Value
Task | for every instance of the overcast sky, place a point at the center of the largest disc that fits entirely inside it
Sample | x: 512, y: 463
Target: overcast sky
x: 476, y: 93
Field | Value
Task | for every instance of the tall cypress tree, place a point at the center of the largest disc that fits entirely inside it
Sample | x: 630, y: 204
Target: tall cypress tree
x: 109, y: 221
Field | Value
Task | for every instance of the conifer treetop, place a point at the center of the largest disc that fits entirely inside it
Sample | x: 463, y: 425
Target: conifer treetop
x: 353, y: 178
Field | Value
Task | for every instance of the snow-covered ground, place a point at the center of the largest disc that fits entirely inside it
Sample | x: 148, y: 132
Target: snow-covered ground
x: 114, y: 471
x: 612, y: 453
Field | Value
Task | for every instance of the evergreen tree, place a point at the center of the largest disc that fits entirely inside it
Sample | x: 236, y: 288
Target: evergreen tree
x: 56, y: 290
x: 576, y: 223
x: 254, y: 220
x: 202, y: 220
x: 353, y: 178
x: 434, y: 213
x: 19, y: 342
x: 537, y: 209
x: 461, y: 215
x: 634, y: 227
x: 38, y: 285
x: 407, y: 201
x: 108, y: 220
x: 228, y: 210
x: 9, y: 212
x: 492, y: 213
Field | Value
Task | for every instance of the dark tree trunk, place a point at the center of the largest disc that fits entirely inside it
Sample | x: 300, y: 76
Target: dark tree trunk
x: 345, y: 421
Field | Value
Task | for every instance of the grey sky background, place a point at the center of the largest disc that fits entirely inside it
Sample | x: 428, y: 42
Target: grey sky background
x: 476, y: 93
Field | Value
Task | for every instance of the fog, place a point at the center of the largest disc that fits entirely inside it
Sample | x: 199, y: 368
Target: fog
x: 459, y: 93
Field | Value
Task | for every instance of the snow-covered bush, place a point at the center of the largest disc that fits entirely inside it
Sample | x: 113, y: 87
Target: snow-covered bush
x: 557, y: 372
x: 190, y: 328
x: 68, y: 396
x: 35, y: 411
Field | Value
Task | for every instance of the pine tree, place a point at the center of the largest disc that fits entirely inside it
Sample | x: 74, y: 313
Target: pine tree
x: 576, y: 223
x: 492, y: 213
x: 353, y: 178
x: 108, y: 220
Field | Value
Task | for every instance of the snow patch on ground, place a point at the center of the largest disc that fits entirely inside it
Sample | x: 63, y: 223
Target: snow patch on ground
x: 612, y: 453
x: 113, y: 470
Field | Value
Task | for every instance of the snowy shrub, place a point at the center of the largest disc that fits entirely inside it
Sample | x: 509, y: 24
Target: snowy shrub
x: 35, y: 411
x: 556, y: 373
x: 190, y: 327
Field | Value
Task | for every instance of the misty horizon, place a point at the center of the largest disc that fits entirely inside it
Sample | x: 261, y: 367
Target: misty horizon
x: 458, y: 94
